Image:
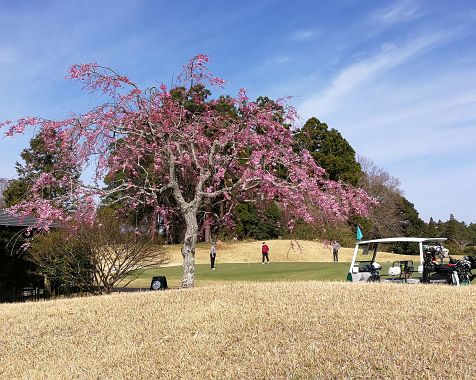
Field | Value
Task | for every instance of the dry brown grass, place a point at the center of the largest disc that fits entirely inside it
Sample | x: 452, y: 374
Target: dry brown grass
x: 280, y: 250
x: 304, y: 330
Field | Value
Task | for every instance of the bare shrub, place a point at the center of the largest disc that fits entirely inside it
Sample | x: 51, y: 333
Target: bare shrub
x: 118, y: 252
x: 107, y: 254
x: 386, y: 189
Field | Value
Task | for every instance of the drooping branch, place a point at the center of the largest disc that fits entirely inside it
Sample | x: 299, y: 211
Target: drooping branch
x: 175, y: 141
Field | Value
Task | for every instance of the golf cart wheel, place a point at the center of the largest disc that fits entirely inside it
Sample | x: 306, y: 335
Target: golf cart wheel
x: 156, y: 285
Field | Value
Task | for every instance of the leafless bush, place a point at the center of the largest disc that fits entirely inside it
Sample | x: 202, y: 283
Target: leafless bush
x: 108, y: 254
x: 386, y: 189
x: 118, y: 252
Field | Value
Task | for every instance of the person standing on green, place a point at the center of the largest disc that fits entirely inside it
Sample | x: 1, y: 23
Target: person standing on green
x: 213, y: 255
x: 264, y: 252
x: 335, y: 250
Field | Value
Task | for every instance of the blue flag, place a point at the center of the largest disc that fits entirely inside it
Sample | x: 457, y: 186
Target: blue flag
x: 359, y: 234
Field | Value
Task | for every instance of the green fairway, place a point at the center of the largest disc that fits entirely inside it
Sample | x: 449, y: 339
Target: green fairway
x: 251, y: 272
x: 278, y: 271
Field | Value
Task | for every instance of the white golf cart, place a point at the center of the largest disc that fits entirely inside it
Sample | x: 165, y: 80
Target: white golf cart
x: 421, y: 266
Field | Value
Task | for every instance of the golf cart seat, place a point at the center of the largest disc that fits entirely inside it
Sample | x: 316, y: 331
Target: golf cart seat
x: 394, y: 271
x: 400, y: 272
x: 394, y: 275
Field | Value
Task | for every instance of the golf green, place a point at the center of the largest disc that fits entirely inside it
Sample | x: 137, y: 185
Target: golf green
x: 252, y: 272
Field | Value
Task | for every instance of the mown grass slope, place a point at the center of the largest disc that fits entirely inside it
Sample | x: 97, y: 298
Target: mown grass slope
x: 249, y: 251
x: 272, y: 330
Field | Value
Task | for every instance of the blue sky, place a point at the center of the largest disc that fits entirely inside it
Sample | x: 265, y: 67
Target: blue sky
x: 397, y: 79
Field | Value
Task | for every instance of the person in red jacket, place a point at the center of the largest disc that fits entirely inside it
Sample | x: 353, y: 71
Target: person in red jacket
x: 264, y: 252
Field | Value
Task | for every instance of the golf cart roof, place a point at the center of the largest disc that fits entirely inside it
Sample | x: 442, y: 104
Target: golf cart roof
x: 401, y: 239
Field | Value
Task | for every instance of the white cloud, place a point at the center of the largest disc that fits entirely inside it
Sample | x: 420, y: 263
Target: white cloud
x: 416, y: 121
x: 304, y: 34
x: 355, y: 75
x: 277, y: 60
x: 399, y: 12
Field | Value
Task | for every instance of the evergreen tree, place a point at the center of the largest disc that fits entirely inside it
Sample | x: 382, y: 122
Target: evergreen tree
x: 411, y: 224
x: 432, y: 229
x: 451, y: 228
x: 38, y: 159
x: 330, y: 150
x: 258, y: 222
x: 472, y: 233
x: 457, y: 234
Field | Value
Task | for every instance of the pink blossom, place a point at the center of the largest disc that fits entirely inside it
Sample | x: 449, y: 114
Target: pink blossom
x: 157, y: 146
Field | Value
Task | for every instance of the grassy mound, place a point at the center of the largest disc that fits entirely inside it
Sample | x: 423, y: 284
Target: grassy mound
x: 249, y: 251
x: 272, y: 330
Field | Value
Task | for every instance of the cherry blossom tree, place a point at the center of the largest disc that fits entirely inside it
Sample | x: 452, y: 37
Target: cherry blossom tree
x: 174, y: 143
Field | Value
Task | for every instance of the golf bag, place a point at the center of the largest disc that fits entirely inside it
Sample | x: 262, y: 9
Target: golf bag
x: 457, y: 272
x: 373, y: 268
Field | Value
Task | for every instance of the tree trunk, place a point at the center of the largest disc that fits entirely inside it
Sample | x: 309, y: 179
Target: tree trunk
x: 188, y: 249
x: 153, y: 222
x: 208, y: 228
x: 108, y: 288
x: 222, y: 209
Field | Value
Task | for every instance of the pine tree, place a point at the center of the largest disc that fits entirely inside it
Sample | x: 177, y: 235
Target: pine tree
x: 411, y: 224
x: 433, y: 228
x: 330, y: 150
x: 38, y: 159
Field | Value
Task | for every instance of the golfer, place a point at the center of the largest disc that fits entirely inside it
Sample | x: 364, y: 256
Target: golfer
x: 264, y: 252
x: 213, y: 255
x: 335, y: 251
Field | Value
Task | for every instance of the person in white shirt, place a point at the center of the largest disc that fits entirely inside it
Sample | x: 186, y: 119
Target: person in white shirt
x: 335, y: 250
x: 213, y: 255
